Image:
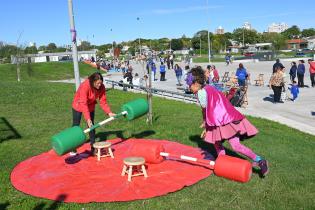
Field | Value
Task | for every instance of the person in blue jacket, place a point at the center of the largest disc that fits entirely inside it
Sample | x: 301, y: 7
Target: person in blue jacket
x: 162, y: 71
x: 300, y: 73
x: 294, y: 91
x: 293, y: 71
x: 241, y: 74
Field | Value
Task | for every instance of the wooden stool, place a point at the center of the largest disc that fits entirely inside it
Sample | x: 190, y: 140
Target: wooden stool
x: 99, y: 146
x: 138, y: 162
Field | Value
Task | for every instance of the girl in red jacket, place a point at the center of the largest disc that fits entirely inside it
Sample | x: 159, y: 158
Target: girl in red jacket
x: 84, y: 102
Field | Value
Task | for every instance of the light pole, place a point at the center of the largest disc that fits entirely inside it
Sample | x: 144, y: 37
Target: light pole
x: 200, y: 45
x: 74, y: 46
x: 209, y: 51
x: 112, y: 44
x: 138, y: 19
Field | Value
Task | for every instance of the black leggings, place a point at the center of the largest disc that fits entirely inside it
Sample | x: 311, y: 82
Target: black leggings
x: 76, y: 116
x: 276, y: 93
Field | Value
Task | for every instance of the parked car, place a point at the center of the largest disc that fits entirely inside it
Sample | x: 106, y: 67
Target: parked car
x: 300, y: 54
x: 249, y: 54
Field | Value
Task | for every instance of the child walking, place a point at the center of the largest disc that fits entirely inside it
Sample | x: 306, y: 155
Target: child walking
x: 294, y: 90
x: 221, y: 120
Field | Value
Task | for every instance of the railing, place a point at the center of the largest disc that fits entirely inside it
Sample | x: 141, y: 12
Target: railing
x: 190, y: 98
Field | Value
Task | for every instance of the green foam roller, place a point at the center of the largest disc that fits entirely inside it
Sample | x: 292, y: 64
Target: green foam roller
x: 68, y: 140
x: 136, y: 108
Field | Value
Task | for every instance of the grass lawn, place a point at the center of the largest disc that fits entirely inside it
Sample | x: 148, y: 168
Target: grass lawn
x: 37, y: 110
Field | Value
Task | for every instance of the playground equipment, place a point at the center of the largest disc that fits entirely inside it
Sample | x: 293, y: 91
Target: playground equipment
x: 71, y: 138
x: 225, y: 166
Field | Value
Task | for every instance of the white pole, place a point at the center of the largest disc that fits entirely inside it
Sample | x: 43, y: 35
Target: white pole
x: 209, y: 52
x: 74, y: 46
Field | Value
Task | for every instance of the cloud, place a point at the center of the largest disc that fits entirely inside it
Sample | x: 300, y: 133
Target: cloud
x: 180, y: 10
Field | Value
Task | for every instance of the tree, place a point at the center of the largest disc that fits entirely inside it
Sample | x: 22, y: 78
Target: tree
x: 249, y: 36
x: 177, y: 44
x: 51, y: 47
x: 292, y: 32
x: 85, y: 45
x: 308, y: 32
x: 30, y: 50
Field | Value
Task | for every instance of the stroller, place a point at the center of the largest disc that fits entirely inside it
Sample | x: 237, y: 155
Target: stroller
x: 237, y: 95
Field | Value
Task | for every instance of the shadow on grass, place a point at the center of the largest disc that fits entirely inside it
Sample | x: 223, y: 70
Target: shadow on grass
x: 4, y: 205
x: 120, y: 134
x: 55, y: 205
x: 8, y: 131
x: 207, y: 147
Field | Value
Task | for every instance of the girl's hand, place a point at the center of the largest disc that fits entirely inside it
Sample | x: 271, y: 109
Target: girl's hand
x: 111, y: 114
x: 202, y: 125
x: 89, y: 123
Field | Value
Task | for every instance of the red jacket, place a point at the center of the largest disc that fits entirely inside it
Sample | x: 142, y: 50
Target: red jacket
x: 85, y: 99
x: 312, y: 67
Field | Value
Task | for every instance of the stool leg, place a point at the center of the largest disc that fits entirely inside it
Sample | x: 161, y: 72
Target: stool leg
x: 124, y: 170
x: 110, y: 152
x: 129, y: 173
x: 98, y: 154
x: 144, y: 171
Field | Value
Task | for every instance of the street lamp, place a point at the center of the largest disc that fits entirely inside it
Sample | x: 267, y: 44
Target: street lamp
x: 209, y: 52
x: 138, y: 19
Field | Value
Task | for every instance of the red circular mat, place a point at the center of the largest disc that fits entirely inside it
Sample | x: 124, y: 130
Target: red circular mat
x: 49, y: 176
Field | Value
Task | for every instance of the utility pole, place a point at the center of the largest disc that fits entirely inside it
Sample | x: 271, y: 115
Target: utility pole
x: 149, y: 90
x: 209, y: 51
x: 200, y: 44
x: 139, y: 39
x: 18, y: 71
x: 74, y: 46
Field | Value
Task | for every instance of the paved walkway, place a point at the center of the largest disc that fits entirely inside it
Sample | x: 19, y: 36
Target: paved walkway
x: 299, y: 114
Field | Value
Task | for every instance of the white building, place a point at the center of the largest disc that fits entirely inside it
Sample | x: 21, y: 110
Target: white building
x: 311, y: 42
x: 277, y: 27
x: 247, y: 26
x: 219, y: 30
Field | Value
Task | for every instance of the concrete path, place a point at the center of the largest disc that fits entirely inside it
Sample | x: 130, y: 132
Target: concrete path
x: 299, y: 114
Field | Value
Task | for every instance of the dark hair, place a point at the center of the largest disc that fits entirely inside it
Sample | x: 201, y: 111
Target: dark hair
x: 94, y: 77
x: 294, y: 82
x: 240, y: 66
x: 294, y: 63
x: 302, y: 61
x: 199, y: 75
x: 310, y: 60
x: 209, y: 66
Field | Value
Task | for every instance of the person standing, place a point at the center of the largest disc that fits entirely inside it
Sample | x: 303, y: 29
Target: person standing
x: 276, y: 83
x: 293, y: 71
x: 277, y: 65
x: 241, y: 74
x: 300, y: 73
x: 312, y: 71
x: 162, y: 72
x: 84, y: 103
x: 178, y: 72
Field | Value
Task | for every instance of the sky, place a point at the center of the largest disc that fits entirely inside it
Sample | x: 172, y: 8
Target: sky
x: 104, y: 21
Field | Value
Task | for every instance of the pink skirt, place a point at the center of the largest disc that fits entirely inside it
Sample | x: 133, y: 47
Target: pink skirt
x: 220, y: 133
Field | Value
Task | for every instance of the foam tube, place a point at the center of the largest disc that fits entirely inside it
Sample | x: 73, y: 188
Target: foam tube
x: 149, y: 150
x: 233, y: 168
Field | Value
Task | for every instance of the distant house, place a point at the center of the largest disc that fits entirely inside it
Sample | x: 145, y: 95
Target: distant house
x: 311, y: 42
x: 294, y: 44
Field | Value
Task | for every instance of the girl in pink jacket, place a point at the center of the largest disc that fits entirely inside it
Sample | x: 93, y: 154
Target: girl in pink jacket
x: 221, y: 120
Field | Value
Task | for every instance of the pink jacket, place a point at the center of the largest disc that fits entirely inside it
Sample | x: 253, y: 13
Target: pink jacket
x: 219, y: 110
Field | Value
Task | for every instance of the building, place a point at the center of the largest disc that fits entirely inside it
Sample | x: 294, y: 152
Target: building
x: 277, y: 27
x: 247, y: 26
x: 311, y: 42
x: 219, y: 30
x: 295, y: 44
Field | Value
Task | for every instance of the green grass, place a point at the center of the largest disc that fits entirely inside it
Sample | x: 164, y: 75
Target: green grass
x: 37, y: 110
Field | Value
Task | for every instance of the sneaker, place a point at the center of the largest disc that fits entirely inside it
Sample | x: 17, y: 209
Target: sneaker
x: 72, y: 153
x: 263, y: 165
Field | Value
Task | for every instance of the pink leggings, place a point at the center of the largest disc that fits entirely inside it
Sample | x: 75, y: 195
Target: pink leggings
x: 236, y: 146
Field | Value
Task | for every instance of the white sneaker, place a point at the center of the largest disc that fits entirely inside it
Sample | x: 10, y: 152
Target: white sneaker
x: 72, y: 153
